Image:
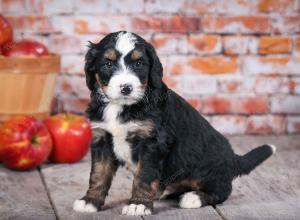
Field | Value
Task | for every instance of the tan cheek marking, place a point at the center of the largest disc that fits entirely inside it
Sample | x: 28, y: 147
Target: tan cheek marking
x: 110, y: 54
x: 103, y: 87
x: 97, y: 78
x: 136, y: 55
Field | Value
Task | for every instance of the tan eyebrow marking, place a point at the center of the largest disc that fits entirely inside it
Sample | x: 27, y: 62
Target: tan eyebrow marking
x: 110, y: 54
x: 136, y: 54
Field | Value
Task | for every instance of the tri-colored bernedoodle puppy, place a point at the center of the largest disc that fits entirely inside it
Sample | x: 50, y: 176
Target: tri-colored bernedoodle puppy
x: 140, y: 123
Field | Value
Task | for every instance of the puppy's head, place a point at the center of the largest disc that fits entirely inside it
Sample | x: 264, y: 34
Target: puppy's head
x: 122, y: 65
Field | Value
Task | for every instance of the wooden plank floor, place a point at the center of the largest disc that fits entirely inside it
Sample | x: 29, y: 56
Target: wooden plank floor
x: 23, y: 196
x: 272, y: 191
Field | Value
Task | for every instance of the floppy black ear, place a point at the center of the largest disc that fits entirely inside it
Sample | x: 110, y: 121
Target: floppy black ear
x: 90, y: 66
x: 156, y: 69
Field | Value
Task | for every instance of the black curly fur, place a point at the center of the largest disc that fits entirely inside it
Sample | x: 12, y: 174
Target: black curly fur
x: 182, y: 145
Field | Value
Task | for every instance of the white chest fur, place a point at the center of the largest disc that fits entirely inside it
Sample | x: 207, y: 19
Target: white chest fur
x: 119, y: 132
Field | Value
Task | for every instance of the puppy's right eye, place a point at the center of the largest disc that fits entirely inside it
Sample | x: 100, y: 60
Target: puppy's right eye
x: 108, y: 64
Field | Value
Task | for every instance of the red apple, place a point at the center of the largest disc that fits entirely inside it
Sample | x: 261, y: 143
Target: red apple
x: 71, y: 136
x: 26, y: 47
x: 5, y: 31
x: 24, y: 143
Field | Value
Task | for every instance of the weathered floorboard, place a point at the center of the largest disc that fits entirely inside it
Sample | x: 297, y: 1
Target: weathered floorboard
x: 272, y: 191
x: 69, y: 182
x: 23, y: 196
x: 169, y: 210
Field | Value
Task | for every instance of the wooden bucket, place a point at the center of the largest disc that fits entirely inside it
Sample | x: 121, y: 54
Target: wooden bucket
x: 27, y: 85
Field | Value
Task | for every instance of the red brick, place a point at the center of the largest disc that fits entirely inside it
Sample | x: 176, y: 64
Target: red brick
x: 50, y: 7
x: 275, y: 5
x: 242, y: 7
x: 37, y: 7
x: 268, y: 85
x: 297, y: 44
x: 170, y: 43
x: 285, y: 24
x: 266, y: 124
x: 219, y: 7
x: 204, y: 44
x: 64, y: 44
x: 272, y: 65
x: 63, y: 24
x: 229, y: 124
x: 255, y: 105
x: 293, y: 124
x: 196, y: 103
x: 126, y: 6
x: 155, y: 6
x: 240, y: 24
x: 214, y: 65
x: 31, y: 24
x: 240, y: 45
x: 230, y: 86
x: 210, y: 65
x: 196, y: 85
x: 176, y: 24
x: 87, y: 24
x: 237, y: 105
x: 92, y: 6
x: 201, y: 7
x: 15, y: 6
x: 257, y: 85
x: 170, y: 82
x: 275, y: 44
x: 216, y: 104
x: 285, y: 104
x: 294, y: 85
x: 101, y: 24
x: 181, y: 24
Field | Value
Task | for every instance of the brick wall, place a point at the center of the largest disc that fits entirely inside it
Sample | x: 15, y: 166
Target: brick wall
x: 236, y: 61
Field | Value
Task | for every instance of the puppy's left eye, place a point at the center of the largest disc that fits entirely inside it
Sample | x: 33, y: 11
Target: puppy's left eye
x: 138, y: 63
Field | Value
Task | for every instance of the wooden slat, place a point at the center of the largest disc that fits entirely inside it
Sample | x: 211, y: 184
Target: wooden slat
x: 272, y: 191
x: 169, y: 210
x: 23, y: 196
x: 69, y: 182
x: 34, y: 65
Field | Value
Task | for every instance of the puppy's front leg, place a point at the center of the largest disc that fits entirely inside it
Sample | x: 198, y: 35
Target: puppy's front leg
x: 104, y: 167
x: 144, y: 189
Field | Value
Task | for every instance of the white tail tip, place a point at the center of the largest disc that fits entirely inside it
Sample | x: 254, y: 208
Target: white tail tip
x: 273, y: 147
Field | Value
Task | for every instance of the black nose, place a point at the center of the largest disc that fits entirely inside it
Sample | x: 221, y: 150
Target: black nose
x: 126, y: 89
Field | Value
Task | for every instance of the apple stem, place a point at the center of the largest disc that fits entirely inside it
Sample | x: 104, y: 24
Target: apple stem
x: 34, y: 139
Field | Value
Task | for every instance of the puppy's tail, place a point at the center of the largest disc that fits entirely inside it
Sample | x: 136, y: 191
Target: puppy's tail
x: 247, y: 162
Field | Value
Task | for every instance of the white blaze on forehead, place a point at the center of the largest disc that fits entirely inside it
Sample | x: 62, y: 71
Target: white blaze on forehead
x: 125, y: 42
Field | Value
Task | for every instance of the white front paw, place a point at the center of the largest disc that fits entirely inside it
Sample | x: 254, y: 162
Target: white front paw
x: 134, y: 209
x: 82, y: 206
